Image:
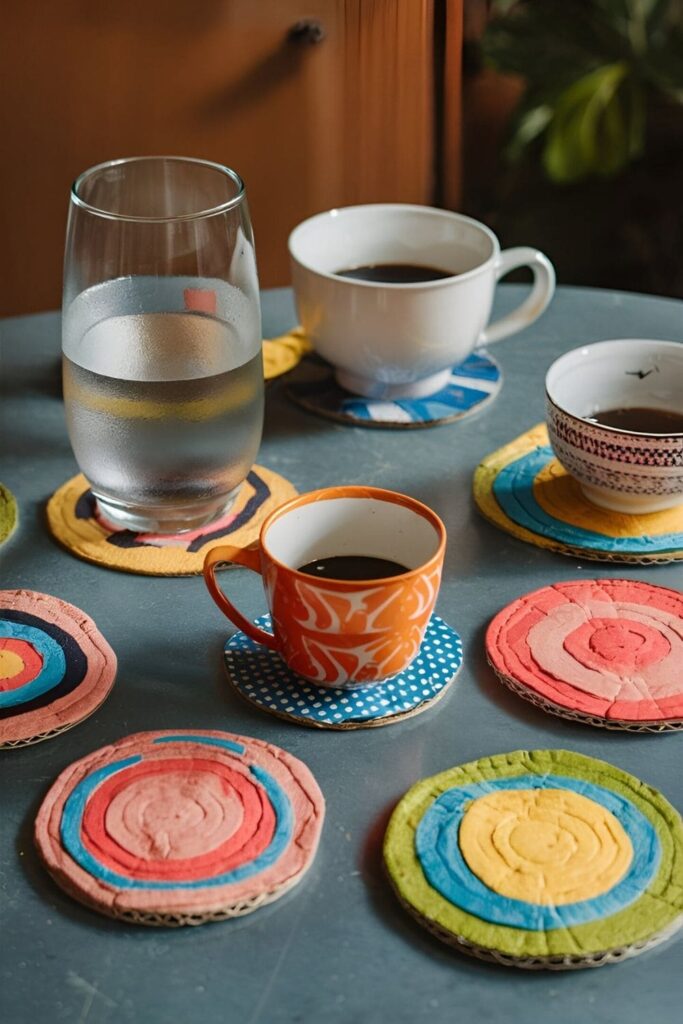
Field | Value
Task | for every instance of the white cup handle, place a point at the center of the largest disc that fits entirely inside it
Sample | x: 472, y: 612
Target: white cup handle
x: 532, y: 307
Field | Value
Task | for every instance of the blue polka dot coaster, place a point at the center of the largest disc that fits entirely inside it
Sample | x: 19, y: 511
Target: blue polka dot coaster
x: 261, y: 677
x: 473, y: 384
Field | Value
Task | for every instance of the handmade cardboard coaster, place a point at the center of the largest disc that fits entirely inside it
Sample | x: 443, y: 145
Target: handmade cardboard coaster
x: 473, y: 385
x: 75, y: 521
x: 56, y: 668
x: 261, y: 677
x: 179, y: 828
x: 9, y: 513
x: 540, y: 859
x: 280, y: 355
x: 524, y: 490
x: 605, y: 652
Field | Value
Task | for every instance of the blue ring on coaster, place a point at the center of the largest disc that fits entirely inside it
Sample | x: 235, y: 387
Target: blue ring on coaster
x: 262, y: 677
x: 472, y: 385
x: 513, y: 488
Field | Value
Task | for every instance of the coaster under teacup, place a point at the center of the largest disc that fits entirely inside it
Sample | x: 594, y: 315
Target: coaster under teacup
x: 542, y: 859
x: 56, y: 668
x: 524, y: 490
x: 181, y: 827
x: 75, y: 521
x: 605, y: 652
x: 472, y: 386
x: 9, y: 513
x: 262, y: 678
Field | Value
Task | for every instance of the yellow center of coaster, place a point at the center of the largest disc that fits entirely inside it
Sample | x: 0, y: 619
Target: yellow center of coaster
x: 560, y: 496
x: 545, y: 846
x: 10, y: 664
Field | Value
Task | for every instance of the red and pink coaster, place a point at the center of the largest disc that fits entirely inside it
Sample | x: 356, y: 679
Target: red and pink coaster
x: 606, y: 652
x: 175, y: 828
x: 56, y: 668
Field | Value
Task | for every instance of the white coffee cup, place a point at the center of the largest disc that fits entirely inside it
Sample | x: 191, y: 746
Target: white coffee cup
x: 401, y: 340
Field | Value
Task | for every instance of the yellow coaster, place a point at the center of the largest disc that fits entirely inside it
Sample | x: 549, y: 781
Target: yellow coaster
x: 280, y: 355
x: 524, y: 490
x: 74, y: 520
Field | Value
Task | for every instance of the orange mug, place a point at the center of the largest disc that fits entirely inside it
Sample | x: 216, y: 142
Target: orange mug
x: 342, y: 632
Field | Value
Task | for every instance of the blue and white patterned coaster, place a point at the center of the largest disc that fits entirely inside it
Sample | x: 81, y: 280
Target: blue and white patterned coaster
x: 261, y: 677
x: 472, y: 385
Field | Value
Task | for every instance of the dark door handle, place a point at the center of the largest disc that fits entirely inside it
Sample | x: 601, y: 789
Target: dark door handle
x: 307, y: 32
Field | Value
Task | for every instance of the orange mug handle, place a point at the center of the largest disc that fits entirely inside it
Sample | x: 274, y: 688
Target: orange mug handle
x: 249, y: 558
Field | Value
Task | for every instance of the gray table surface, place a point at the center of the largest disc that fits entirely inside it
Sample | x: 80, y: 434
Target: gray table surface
x: 338, y: 948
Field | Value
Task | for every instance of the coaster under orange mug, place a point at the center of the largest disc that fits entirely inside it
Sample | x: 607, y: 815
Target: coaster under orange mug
x: 342, y: 632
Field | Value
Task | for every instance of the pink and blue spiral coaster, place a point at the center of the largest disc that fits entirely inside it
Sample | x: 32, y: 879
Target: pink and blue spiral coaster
x: 261, y: 677
x: 181, y: 827
x: 473, y: 384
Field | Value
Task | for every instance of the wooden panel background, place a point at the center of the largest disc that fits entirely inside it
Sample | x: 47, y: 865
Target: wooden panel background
x: 309, y: 127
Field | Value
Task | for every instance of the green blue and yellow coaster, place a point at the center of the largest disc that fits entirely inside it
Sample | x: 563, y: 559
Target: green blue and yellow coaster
x: 539, y: 859
x: 472, y: 386
x: 524, y: 490
x: 56, y: 668
x: 75, y: 521
x: 261, y: 677
x: 9, y: 513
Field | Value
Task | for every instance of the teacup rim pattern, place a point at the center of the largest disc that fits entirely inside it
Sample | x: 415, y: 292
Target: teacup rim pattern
x: 566, y: 358
x: 403, y: 286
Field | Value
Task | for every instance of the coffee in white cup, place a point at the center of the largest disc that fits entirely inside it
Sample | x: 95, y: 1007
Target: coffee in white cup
x: 399, y: 336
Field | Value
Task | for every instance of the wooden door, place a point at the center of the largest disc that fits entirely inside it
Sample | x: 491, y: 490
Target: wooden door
x: 349, y: 119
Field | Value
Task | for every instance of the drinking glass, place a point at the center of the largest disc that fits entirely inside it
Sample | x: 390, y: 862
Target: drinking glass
x: 161, y: 340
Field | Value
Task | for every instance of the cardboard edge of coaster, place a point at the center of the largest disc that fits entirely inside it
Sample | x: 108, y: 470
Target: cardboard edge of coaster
x: 350, y: 421
x: 566, y: 962
x: 664, y: 725
x: 348, y: 726
x: 485, y: 501
x: 171, y: 919
x: 51, y: 733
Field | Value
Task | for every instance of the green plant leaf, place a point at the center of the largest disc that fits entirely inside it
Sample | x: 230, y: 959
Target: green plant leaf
x: 528, y: 127
x: 598, y: 126
x: 550, y: 42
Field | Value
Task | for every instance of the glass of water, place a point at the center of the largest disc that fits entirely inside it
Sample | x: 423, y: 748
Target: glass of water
x: 161, y: 340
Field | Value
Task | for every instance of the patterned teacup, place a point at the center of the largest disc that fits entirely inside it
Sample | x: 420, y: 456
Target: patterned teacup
x: 342, y: 632
x: 624, y: 470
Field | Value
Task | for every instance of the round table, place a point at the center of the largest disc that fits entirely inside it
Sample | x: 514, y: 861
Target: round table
x: 339, y: 948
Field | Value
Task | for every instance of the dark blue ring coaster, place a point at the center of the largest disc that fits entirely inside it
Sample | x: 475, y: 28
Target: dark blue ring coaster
x: 261, y: 677
x: 473, y: 384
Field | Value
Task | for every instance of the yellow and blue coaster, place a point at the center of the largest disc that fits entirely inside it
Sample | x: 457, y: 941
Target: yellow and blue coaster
x: 280, y: 355
x: 74, y: 519
x: 539, y: 859
x: 9, y: 513
x: 472, y: 386
x: 262, y: 678
x: 524, y: 490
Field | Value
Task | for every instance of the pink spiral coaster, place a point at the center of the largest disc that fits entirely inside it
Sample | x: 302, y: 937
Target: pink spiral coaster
x: 606, y: 652
x: 175, y: 828
x: 56, y: 668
